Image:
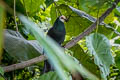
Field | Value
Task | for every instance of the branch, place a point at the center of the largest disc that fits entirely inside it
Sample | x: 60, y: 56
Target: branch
x: 68, y: 45
x: 92, y: 27
x: 24, y: 64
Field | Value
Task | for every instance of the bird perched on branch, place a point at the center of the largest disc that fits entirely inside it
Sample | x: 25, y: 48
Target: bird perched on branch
x: 57, y: 33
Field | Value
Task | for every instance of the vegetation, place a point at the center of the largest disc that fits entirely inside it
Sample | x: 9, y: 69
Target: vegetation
x: 91, y: 47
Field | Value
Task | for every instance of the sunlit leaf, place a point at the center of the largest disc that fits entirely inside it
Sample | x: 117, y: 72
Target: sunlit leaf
x: 32, y: 6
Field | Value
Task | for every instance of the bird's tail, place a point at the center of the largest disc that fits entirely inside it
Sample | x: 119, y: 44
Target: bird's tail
x: 47, y: 67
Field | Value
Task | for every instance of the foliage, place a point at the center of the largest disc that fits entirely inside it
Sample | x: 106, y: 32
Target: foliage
x: 55, y: 53
x: 91, y: 57
x: 99, y: 46
x: 1, y: 73
x: 49, y: 76
x: 85, y: 59
x: 117, y: 58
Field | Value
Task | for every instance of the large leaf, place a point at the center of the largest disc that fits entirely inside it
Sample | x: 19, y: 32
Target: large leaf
x: 103, y: 28
x: 99, y: 46
x: 94, y: 5
x: 20, y: 48
x: 55, y: 53
x: 96, y: 8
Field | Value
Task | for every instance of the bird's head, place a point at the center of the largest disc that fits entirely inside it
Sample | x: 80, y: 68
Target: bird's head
x: 62, y: 18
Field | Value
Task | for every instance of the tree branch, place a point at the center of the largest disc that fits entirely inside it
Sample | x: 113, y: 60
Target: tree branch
x: 92, y: 27
x: 68, y: 45
x: 24, y: 64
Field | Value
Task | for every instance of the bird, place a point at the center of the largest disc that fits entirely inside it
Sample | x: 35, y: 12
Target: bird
x: 57, y: 33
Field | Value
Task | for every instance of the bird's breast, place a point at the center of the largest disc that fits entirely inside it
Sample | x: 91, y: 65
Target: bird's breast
x: 58, y: 36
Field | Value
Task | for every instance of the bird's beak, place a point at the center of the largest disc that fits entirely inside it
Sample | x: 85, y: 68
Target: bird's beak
x: 65, y: 20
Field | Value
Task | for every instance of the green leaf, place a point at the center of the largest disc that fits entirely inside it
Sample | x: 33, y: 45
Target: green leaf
x: 117, y: 60
x: 99, y: 46
x: 103, y: 28
x: 92, y: 6
x: 85, y: 60
x: 78, y: 21
x: 49, y: 76
x: 1, y: 71
x: 20, y: 48
x: 52, y: 12
x: 48, y: 2
x: 32, y: 6
x: 117, y: 11
x: 1, y: 78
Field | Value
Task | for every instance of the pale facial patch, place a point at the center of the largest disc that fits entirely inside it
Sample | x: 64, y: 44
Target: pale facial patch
x: 62, y: 18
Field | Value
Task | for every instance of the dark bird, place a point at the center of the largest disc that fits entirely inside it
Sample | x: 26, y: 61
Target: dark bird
x: 57, y: 33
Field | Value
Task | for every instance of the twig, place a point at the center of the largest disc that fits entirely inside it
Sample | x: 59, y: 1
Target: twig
x: 92, y: 27
x: 68, y: 18
x: 15, y: 15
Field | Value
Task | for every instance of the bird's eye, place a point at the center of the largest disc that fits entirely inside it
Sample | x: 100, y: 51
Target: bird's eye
x: 62, y: 17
